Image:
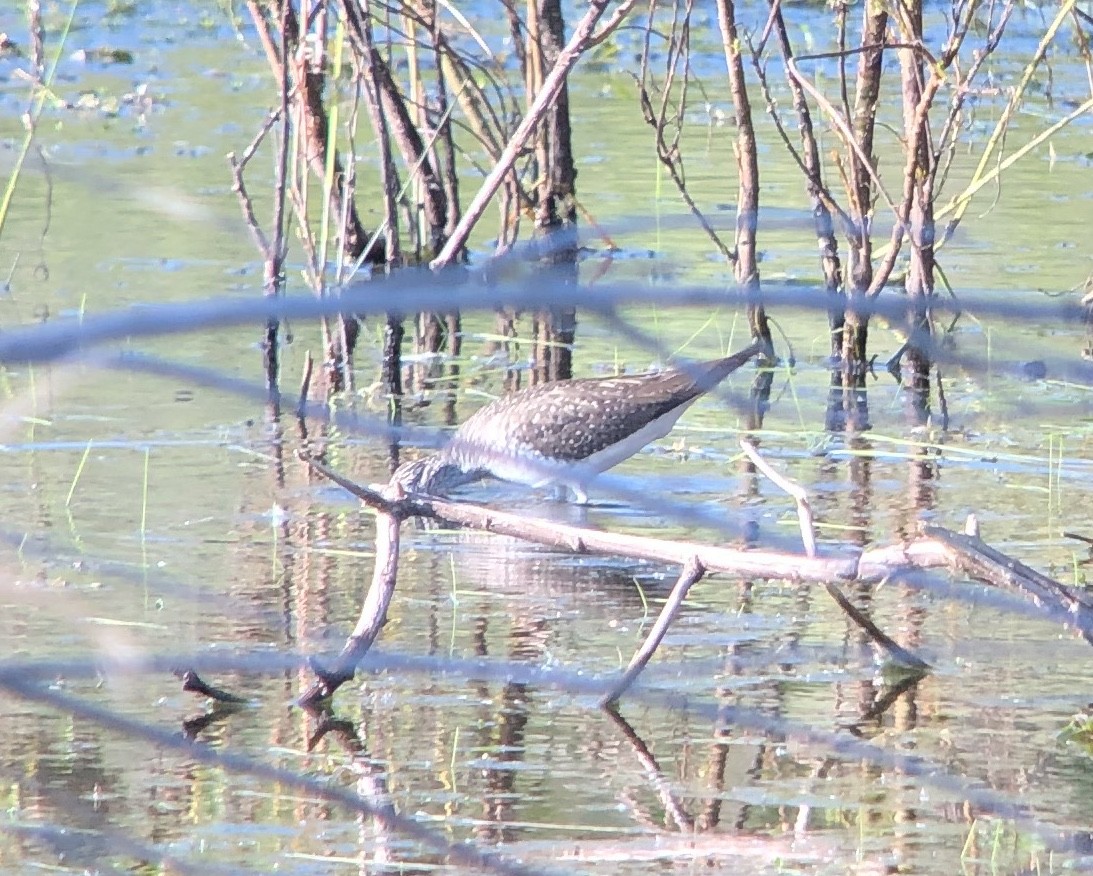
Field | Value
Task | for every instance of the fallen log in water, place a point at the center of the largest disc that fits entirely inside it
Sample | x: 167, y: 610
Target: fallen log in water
x: 934, y: 548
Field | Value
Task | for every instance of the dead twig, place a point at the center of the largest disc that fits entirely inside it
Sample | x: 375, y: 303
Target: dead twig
x: 804, y: 508
x: 936, y: 548
x: 567, y: 59
x: 692, y: 573
x: 192, y: 683
x: 391, y: 510
x: 305, y: 385
x: 885, y: 642
x: 239, y: 188
x: 808, y: 535
x: 976, y: 558
x: 372, y: 618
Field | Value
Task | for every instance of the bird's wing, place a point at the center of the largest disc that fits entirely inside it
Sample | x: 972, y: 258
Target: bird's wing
x: 571, y: 420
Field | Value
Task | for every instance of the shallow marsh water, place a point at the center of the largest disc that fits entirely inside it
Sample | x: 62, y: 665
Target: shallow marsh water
x: 158, y: 517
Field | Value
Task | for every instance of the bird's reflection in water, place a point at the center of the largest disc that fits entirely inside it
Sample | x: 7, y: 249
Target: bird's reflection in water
x: 511, y: 601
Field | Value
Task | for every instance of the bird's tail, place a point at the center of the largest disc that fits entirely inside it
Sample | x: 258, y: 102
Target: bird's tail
x: 708, y: 376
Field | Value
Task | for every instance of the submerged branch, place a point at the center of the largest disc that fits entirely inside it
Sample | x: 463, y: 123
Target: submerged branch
x: 692, y: 573
x: 935, y: 548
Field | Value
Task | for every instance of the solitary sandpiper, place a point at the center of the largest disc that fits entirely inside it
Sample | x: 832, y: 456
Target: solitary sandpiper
x: 565, y: 433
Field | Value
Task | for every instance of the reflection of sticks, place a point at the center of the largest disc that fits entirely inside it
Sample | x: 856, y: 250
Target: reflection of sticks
x: 471, y: 858
x: 371, y: 780
x: 692, y: 573
x: 903, y: 683
x: 673, y: 806
x: 305, y: 385
x: 195, y: 725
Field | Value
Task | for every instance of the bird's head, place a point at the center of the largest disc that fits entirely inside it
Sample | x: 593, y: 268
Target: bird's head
x: 434, y: 475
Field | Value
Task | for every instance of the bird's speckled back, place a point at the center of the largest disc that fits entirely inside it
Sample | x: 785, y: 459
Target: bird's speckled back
x: 566, y: 432
x: 571, y: 420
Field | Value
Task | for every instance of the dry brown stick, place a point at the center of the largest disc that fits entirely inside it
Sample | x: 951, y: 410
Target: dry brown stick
x: 843, y: 129
x: 692, y: 573
x: 372, y: 617
x: 934, y: 549
x: 394, y: 507
x: 824, y: 203
x: 668, y: 153
x: 746, y: 266
x: 1016, y: 95
x: 245, y: 203
x: 274, y: 266
x: 977, y: 559
x: 915, y: 177
x: 807, y: 158
x: 276, y: 257
x: 273, y: 251
x: 567, y: 58
x: 885, y: 642
x: 611, y: 24
x: 262, y: 28
x: 804, y: 508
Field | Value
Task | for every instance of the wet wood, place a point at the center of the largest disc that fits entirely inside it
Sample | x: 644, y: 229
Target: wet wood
x: 935, y: 548
x: 892, y: 649
x: 804, y: 507
x: 977, y: 559
x: 373, y: 614
x: 692, y: 573
x: 193, y: 683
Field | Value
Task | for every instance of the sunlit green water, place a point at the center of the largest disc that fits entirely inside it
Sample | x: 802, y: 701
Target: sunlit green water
x: 150, y: 516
